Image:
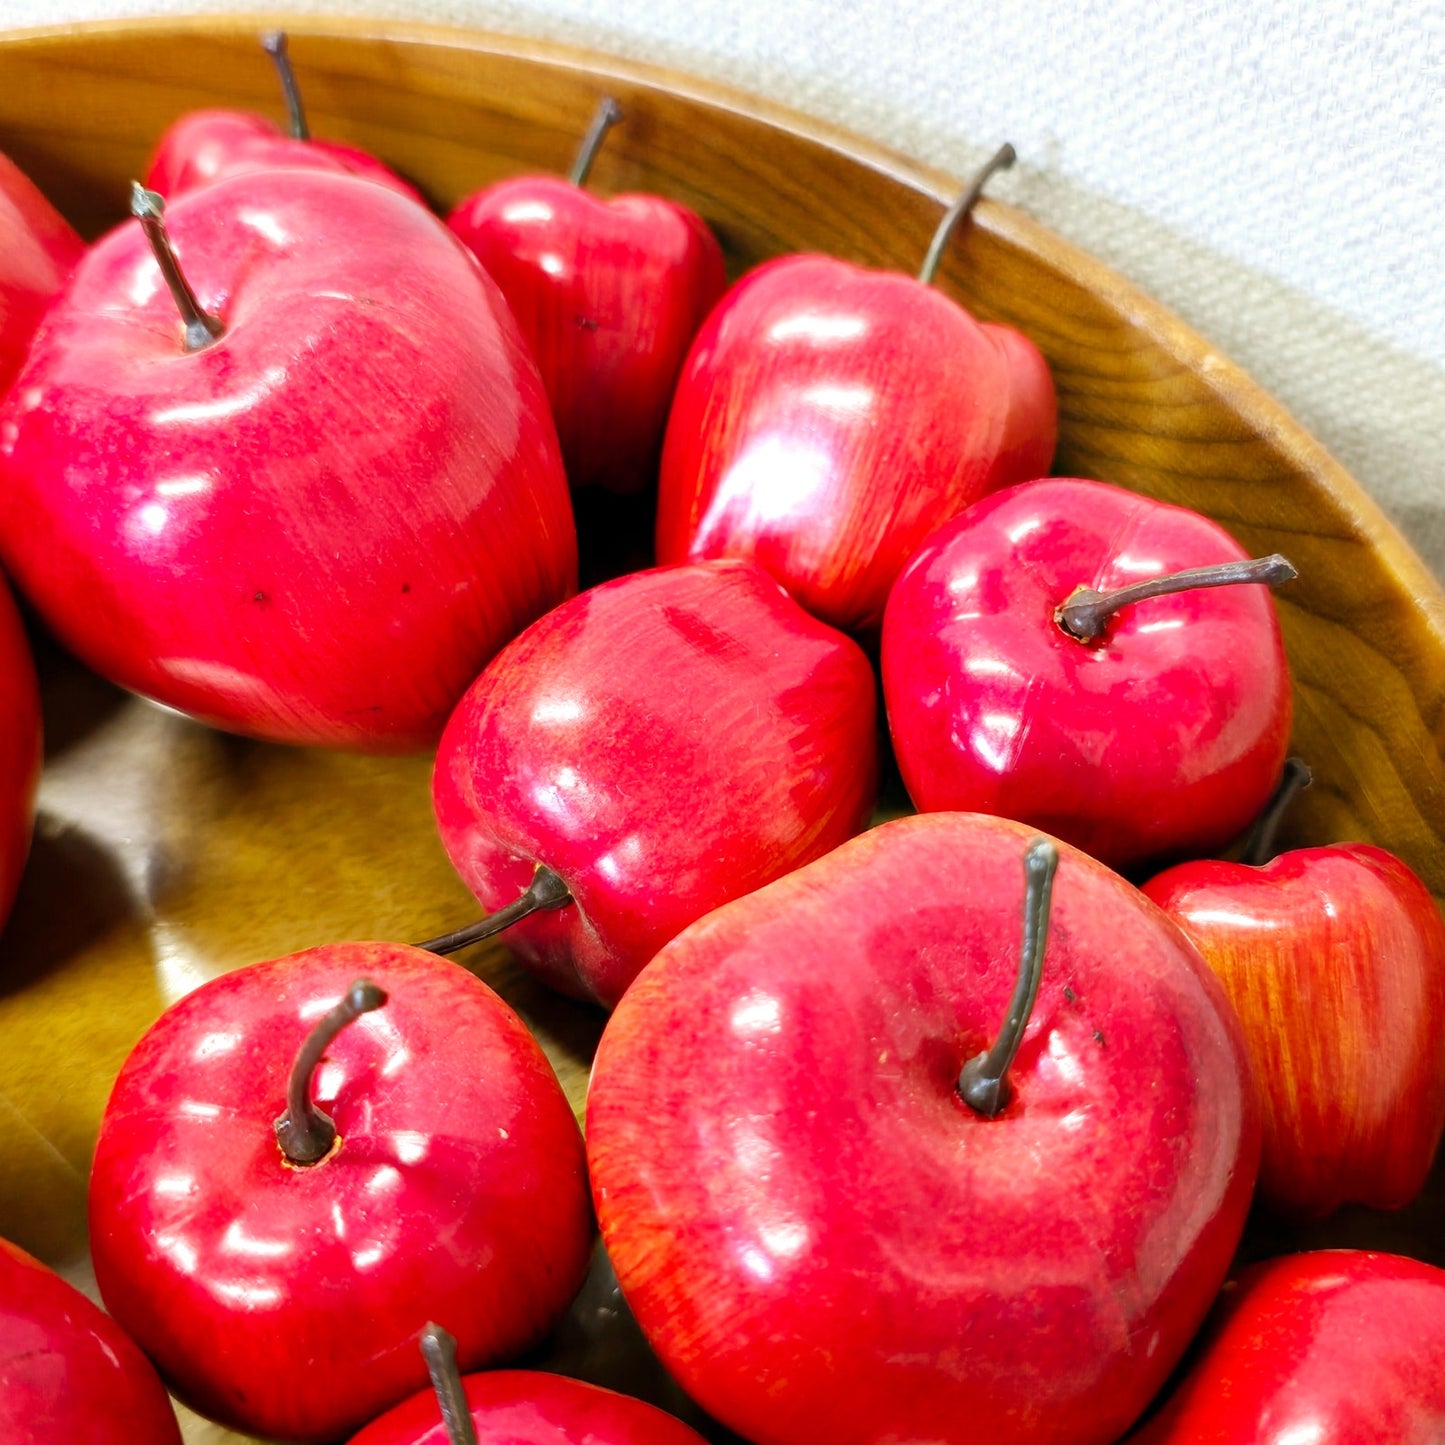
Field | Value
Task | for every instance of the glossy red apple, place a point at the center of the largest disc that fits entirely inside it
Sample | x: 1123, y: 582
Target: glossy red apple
x: 647, y: 751
x: 829, y: 417
x: 609, y: 295
x: 1334, y: 960
x: 19, y: 749
x: 67, y: 1373
x: 316, y: 519
x: 1164, y: 734
x: 204, y: 145
x: 38, y: 250
x: 1334, y: 1348
x: 518, y: 1407
x: 284, y: 1298
x: 823, y: 1241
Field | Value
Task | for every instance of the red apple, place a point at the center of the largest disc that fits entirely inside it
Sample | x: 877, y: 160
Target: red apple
x: 67, y: 1373
x: 823, y: 1241
x: 284, y: 1297
x: 1334, y: 960
x: 38, y: 250
x: 609, y: 294
x: 829, y: 417
x: 654, y: 747
x: 316, y: 519
x: 1162, y: 735
x: 204, y: 145
x: 1334, y: 1348
x: 19, y: 749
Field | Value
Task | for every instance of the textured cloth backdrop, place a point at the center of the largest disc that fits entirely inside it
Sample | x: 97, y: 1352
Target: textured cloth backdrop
x: 1271, y: 171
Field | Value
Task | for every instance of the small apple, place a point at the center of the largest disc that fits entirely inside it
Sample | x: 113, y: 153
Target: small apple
x: 1147, y: 722
x: 846, y: 1204
x: 67, y: 1372
x: 609, y: 295
x: 19, y: 749
x: 425, y: 1164
x: 829, y: 417
x: 654, y: 747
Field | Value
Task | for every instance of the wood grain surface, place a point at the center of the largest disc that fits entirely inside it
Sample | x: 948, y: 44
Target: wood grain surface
x: 166, y: 853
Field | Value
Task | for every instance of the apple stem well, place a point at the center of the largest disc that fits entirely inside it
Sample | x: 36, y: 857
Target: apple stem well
x: 439, y: 1350
x: 150, y: 210
x: 983, y: 1080
x: 607, y: 114
x: 305, y: 1134
x: 273, y: 42
x: 1085, y: 616
x: 1001, y: 160
x: 546, y: 890
x: 1259, y: 847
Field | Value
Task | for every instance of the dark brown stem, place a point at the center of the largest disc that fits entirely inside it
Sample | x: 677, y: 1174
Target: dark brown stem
x: 983, y: 1081
x: 1001, y: 160
x: 273, y: 42
x: 1085, y: 616
x: 149, y: 209
x: 305, y: 1134
x: 607, y: 115
x: 546, y: 890
x: 1259, y: 847
x: 439, y: 1350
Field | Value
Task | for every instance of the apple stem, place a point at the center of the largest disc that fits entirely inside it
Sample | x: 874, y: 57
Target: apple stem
x: 439, y: 1350
x: 1001, y: 160
x: 607, y: 115
x: 546, y: 890
x: 1259, y: 847
x: 273, y: 42
x: 1085, y: 616
x: 983, y: 1082
x: 149, y: 208
x: 305, y: 1134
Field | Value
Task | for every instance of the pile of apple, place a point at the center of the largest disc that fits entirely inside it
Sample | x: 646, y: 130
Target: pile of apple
x: 935, y: 1131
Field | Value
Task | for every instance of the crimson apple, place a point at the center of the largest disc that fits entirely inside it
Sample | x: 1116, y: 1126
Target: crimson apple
x: 656, y: 746
x: 19, y: 749
x: 828, y: 417
x: 312, y: 505
x: 821, y: 1237
x: 1338, y: 1347
x: 278, y: 1270
x: 38, y: 250
x: 204, y: 145
x: 1334, y: 960
x: 1153, y: 727
x: 67, y: 1373
x: 609, y: 294
x: 520, y: 1407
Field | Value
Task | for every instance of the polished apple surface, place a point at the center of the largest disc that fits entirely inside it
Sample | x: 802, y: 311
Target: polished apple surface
x: 1164, y: 736
x: 1334, y: 959
x: 19, y: 749
x: 824, y: 1242
x: 609, y: 294
x: 530, y: 1407
x: 67, y: 1373
x: 319, y: 526
x: 1339, y: 1347
x: 664, y: 743
x: 828, y: 417
x: 285, y: 1299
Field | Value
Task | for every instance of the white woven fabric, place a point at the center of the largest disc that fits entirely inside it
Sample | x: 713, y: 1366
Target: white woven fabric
x: 1271, y: 171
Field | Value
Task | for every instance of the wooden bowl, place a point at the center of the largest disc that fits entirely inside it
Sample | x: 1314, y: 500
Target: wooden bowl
x: 166, y: 853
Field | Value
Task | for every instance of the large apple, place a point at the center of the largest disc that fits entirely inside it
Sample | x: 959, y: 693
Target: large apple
x: 277, y: 1270
x: 1339, y: 1347
x: 609, y: 294
x: 647, y: 751
x: 68, y: 1373
x: 824, y: 1241
x: 1132, y: 726
x: 316, y: 518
